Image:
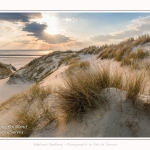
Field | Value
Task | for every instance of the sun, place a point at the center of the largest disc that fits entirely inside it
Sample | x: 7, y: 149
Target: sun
x: 51, y: 30
x: 51, y: 23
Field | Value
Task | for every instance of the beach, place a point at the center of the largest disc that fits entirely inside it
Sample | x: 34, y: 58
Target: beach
x: 19, y: 58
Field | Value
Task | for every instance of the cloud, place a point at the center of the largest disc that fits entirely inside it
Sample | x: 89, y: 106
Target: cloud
x: 101, y: 38
x: 72, y: 45
x: 15, y: 17
x: 37, y: 30
x: 136, y: 27
x: 8, y: 29
x: 70, y: 19
x: 22, y: 41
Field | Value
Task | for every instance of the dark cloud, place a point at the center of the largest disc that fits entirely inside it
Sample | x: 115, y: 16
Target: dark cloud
x: 14, y: 17
x: 37, y: 30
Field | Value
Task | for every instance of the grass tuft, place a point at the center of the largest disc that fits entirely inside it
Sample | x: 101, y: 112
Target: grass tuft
x: 82, y: 91
x: 30, y: 109
x: 66, y: 59
x: 79, y: 65
x: 135, y: 85
x: 4, y: 71
x: 133, y: 58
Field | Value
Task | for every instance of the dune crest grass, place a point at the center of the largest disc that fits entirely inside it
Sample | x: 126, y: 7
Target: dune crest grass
x: 67, y: 59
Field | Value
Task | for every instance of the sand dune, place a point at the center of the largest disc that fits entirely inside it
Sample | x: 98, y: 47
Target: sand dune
x: 82, y: 76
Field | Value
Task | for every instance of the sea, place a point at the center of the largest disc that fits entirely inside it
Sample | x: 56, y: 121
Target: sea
x: 19, y: 58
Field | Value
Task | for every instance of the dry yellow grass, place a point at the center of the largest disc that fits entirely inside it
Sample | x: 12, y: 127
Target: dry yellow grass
x: 82, y: 91
x: 123, y: 51
x: 66, y: 59
x: 133, y: 58
x: 92, y: 49
x: 83, y: 65
x: 4, y: 71
x: 29, y: 109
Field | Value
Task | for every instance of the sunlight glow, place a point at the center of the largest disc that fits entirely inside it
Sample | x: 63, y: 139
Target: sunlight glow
x: 45, y: 52
x: 51, y: 30
x: 51, y: 22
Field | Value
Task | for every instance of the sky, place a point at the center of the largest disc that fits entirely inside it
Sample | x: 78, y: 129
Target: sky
x: 69, y: 30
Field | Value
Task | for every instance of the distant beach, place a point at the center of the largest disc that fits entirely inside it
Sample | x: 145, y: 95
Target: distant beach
x: 19, y: 58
